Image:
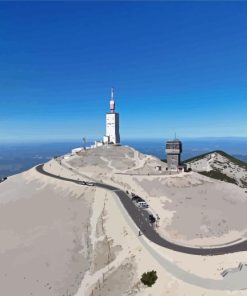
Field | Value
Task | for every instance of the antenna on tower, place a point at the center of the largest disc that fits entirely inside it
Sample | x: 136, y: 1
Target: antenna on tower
x: 112, y: 93
x: 112, y: 103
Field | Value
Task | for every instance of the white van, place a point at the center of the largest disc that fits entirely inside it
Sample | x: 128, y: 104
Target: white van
x: 142, y: 204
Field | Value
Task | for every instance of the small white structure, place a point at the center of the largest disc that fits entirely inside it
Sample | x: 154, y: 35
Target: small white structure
x: 112, y: 124
x: 106, y: 139
x: 76, y: 150
x: 158, y: 168
x: 98, y: 144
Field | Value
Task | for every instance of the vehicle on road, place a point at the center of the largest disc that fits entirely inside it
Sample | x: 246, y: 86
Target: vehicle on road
x: 140, y: 203
x: 90, y: 184
x: 82, y: 182
x: 137, y: 198
x: 151, y: 219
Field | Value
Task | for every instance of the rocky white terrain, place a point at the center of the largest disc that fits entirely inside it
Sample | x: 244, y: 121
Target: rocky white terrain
x: 59, y: 238
x: 193, y: 209
x: 222, y: 163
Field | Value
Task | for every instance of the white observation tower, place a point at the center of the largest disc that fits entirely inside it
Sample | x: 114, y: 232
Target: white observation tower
x: 112, y: 123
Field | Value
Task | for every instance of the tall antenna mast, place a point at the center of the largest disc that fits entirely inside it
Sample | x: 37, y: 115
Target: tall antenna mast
x: 112, y: 102
x: 112, y: 93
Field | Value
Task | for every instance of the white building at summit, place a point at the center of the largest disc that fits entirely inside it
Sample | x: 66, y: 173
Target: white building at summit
x: 112, y: 124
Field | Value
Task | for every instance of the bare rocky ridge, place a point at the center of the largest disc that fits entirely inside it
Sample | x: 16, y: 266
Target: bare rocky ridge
x: 217, y: 164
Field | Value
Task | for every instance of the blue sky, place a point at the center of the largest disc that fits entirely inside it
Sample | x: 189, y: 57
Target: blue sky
x: 176, y: 66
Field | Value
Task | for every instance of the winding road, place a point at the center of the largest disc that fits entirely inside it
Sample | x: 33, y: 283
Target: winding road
x: 141, y: 220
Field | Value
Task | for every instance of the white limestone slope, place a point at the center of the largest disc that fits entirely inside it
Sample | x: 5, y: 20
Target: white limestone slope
x: 115, y: 160
x: 44, y: 223
x: 193, y: 209
x: 219, y: 161
x: 59, y: 238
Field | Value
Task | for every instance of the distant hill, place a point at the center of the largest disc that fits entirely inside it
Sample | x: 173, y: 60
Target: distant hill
x: 220, y: 165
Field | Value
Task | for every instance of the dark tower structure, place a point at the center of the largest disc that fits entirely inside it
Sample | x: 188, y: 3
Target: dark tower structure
x: 173, y: 154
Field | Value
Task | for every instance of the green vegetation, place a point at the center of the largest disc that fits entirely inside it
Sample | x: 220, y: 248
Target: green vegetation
x: 229, y: 157
x: 219, y: 176
x: 149, y: 278
x: 234, y: 160
x: 216, y: 173
x: 244, y: 183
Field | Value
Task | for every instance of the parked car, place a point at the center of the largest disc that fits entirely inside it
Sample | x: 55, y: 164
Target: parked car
x: 137, y: 198
x: 142, y: 204
x: 151, y: 219
x: 82, y: 183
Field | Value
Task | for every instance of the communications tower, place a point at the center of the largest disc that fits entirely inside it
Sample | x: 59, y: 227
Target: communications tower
x: 112, y: 123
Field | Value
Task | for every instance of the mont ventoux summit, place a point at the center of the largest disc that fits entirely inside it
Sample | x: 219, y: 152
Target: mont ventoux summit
x: 109, y: 220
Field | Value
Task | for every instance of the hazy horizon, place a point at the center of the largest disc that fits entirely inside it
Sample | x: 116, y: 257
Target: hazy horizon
x: 47, y: 141
x: 17, y: 157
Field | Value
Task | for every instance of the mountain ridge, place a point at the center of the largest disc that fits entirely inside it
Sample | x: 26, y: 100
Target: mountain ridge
x: 219, y: 165
x: 221, y: 152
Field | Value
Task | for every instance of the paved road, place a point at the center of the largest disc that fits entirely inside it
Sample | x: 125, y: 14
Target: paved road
x: 141, y: 220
